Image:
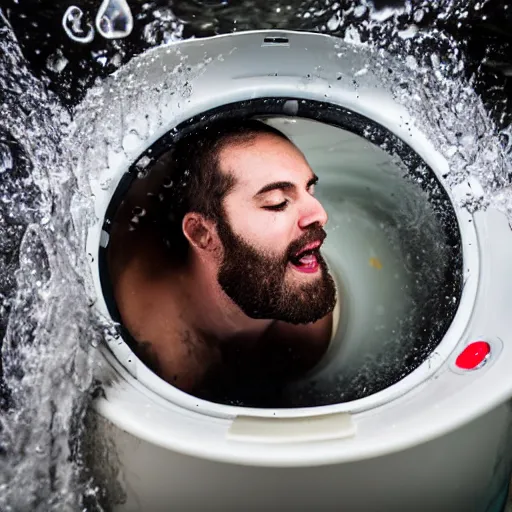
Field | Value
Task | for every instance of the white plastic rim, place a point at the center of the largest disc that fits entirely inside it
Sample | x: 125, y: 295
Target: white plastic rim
x: 240, y: 75
x: 384, y: 111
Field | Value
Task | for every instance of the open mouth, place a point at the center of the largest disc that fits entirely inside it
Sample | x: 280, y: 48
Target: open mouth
x: 307, y: 259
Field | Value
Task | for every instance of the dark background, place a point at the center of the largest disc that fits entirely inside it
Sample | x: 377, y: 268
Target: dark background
x: 483, y: 29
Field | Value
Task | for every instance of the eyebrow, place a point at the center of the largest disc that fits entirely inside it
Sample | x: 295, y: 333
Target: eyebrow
x: 283, y: 185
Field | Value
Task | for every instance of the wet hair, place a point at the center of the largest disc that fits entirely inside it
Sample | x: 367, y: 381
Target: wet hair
x: 195, y: 182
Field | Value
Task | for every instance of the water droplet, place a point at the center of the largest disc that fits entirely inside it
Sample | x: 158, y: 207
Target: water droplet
x: 6, y: 162
x: 143, y: 161
x: 418, y: 15
x: 72, y: 24
x: 352, y: 35
x: 105, y: 185
x: 56, y: 62
x: 334, y: 22
x: 411, y: 63
x: 131, y: 140
x: 164, y: 29
x: 100, y: 57
x: 409, y: 32
x: 116, y: 60
x: 383, y: 14
x: 138, y: 211
x: 114, y: 19
x: 434, y: 58
x: 359, y: 11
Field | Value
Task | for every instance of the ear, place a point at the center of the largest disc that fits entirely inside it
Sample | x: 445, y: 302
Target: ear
x: 199, y: 231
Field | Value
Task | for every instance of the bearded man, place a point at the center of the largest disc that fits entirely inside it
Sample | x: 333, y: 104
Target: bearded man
x: 216, y: 265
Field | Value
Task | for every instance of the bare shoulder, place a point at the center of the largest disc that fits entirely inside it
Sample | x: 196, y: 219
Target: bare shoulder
x: 172, y: 350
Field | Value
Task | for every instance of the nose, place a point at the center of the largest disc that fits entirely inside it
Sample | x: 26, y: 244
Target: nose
x: 312, y: 212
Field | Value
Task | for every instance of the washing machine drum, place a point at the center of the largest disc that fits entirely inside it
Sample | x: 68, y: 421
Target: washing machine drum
x: 405, y: 256
x: 393, y: 246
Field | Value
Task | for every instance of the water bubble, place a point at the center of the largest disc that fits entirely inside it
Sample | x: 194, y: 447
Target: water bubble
x: 114, y: 19
x: 72, y: 24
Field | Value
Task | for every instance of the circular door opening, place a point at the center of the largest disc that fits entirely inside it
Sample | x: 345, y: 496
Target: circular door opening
x: 393, y: 247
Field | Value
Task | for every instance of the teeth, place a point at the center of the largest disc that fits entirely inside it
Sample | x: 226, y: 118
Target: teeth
x: 308, y: 258
x: 305, y: 253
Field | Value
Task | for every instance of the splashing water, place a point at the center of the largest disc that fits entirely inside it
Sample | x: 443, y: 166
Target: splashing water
x: 48, y: 326
x: 114, y: 19
x: 45, y: 308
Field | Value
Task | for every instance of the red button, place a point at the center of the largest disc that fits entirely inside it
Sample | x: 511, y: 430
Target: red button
x: 473, y: 355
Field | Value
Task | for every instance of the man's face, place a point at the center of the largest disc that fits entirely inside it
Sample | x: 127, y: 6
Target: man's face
x: 271, y: 233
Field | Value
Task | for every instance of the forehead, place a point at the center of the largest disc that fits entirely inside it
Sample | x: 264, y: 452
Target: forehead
x: 264, y: 159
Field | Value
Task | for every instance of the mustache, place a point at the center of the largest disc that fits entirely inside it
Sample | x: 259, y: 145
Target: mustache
x: 313, y: 235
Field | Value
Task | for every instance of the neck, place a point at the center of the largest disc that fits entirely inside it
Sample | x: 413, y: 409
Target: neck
x: 209, y: 311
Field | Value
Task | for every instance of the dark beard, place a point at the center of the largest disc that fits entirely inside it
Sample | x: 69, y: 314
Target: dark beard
x: 256, y: 282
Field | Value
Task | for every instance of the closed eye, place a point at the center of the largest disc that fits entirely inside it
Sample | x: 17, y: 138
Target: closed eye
x: 311, y: 185
x: 277, y: 207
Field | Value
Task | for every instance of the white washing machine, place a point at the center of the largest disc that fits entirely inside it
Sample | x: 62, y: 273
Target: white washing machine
x: 409, y: 409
